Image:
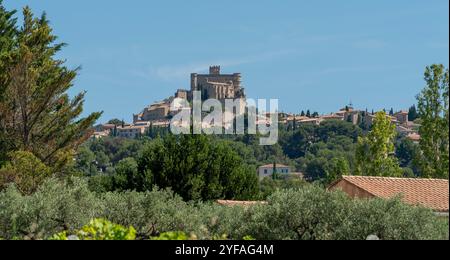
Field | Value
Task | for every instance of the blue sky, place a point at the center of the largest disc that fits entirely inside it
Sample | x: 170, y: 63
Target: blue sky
x: 317, y: 55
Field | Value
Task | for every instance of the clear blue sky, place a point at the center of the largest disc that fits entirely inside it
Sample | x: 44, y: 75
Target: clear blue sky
x: 309, y: 54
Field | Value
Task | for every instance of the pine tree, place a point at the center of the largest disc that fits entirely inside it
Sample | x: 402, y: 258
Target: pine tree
x: 433, y: 110
x: 308, y: 113
x: 303, y: 113
x: 36, y: 113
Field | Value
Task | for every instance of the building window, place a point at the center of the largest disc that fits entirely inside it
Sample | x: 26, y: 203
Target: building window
x: 265, y: 171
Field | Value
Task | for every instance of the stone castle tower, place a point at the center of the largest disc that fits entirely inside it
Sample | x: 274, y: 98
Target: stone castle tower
x: 216, y: 85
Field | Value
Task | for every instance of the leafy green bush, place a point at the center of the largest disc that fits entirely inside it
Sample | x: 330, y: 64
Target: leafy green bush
x: 268, y: 185
x: 172, y: 236
x: 100, y: 229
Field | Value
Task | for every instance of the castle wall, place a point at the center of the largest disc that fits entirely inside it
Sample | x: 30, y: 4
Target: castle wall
x: 202, y: 80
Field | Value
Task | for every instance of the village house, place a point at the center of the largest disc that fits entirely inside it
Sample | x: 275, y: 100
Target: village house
x: 99, y: 135
x: 402, y: 117
x: 267, y: 170
x: 428, y: 193
x: 311, y: 121
x: 301, y: 120
x: 102, y: 130
x: 104, y: 127
x: 156, y: 111
x: 332, y: 116
x: 131, y: 131
x: 369, y: 118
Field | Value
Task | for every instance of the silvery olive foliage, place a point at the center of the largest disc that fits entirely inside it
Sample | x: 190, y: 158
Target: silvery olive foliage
x: 309, y: 212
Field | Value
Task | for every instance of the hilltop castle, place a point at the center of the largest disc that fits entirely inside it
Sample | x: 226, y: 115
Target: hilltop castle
x: 212, y: 86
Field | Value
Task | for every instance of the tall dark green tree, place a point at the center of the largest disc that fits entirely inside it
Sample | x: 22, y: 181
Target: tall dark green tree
x: 412, y: 113
x: 197, y: 167
x: 8, y: 33
x: 274, y: 171
x: 36, y: 113
x: 434, y: 131
x: 406, y: 151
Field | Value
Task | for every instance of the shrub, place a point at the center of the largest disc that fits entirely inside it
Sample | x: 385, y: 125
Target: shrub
x: 100, y: 229
x: 25, y: 170
x: 172, y: 236
x: 56, y: 206
x: 307, y: 213
x: 64, y: 207
x: 313, y: 213
x: 389, y: 220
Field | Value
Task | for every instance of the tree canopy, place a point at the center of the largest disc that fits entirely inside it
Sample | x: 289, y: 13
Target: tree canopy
x: 433, y: 107
x: 36, y: 113
x: 375, y: 152
x: 197, y: 168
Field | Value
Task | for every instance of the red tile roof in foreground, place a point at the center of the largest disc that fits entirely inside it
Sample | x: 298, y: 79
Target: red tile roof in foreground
x: 430, y: 193
x: 239, y: 203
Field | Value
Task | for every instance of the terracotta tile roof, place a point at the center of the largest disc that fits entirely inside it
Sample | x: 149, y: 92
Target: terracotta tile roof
x: 332, y: 116
x: 231, y: 203
x: 404, y: 112
x: 430, y: 193
x: 414, y: 137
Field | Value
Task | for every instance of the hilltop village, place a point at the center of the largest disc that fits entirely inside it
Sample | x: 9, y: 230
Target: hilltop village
x: 216, y: 85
